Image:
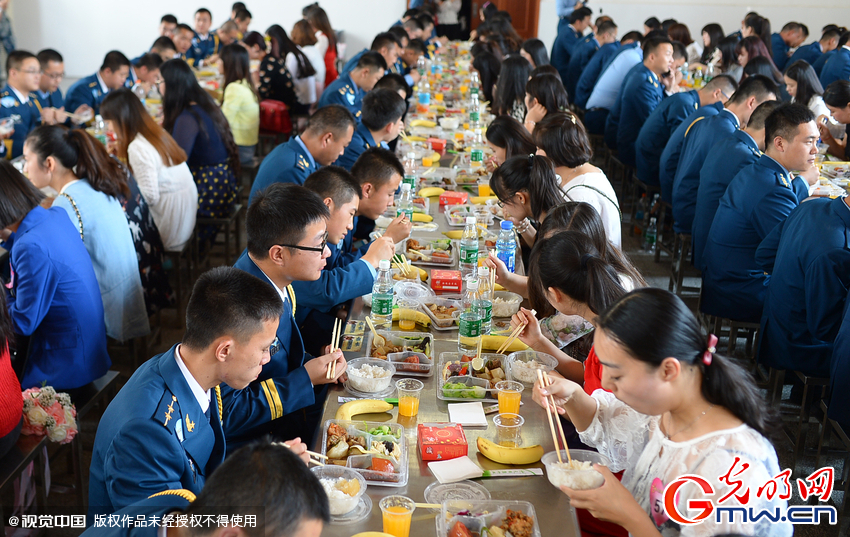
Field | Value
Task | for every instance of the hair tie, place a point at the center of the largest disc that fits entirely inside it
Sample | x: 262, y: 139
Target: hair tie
x: 584, y: 259
x: 531, y: 161
x: 712, y: 348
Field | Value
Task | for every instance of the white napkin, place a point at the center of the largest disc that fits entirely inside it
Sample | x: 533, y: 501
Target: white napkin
x: 469, y: 414
x: 454, y: 470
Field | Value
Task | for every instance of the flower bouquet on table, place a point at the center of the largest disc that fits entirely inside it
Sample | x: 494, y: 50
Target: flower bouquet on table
x: 49, y: 413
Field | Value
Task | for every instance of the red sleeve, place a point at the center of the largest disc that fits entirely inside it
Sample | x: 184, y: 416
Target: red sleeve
x: 592, y: 373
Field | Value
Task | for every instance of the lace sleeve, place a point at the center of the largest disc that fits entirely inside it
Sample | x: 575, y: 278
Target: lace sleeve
x: 617, y: 431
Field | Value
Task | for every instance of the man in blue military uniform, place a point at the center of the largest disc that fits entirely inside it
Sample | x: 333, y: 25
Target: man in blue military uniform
x: 384, y: 44
x: 839, y: 372
x: 704, y: 134
x: 606, y: 33
x: 48, y: 93
x: 812, y: 52
x: 837, y: 67
x: 643, y: 89
x: 92, y: 89
x: 757, y: 200
x: 204, y: 42
x: 567, y: 39
x: 791, y: 36
x: 408, y: 59
x: 183, y: 36
x: 823, y: 58
x: 381, y: 122
x: 667, y: 116
x: 348, y: 90
x: 591, y: 73
x: 735, y: 152
x: 287, y: 242
x: 164, y: 428
x: 808, y: 259
x: 18, y: 101
x: 144, y: 72
x: 324, y: 140
x: 291, y: 502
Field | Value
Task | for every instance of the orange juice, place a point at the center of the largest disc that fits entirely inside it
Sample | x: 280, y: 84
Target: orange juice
x: 406, y: 324
x: 484, y: 190
x: 397, y: 520
x: 509, y: 402
x: 408, y: 405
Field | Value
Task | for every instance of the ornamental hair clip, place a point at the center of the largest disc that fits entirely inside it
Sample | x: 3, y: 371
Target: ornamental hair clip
x: 712, y: 348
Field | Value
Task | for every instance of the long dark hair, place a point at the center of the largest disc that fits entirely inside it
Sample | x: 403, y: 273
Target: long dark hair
x: 837, y: 94
x: 237, y: 67
x: 761, y: 28
x: 729, y: 53
x: 18, y: 196
x: 488, y: 67
x: 715, y: 34
x: 634, y: 321
x: 808, y: 84
x: 754, y: 46
x: 79, y: 151
x: 763, y: 65
x: 549, y: 91
x: 317, y: 17
x: 510, y: 87
x: 182, y: 89
x: 537, y: 50
x: 507, y: 132
x: 532, y: 174
x: 282, y: 45
x: 564, y: 139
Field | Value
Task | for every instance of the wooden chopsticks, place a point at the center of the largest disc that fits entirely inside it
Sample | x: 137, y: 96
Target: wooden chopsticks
x: 403, y: 266
x: 339, y: 324
x: 514, y: 335
x: 313, y: 455
x: 544, y: 383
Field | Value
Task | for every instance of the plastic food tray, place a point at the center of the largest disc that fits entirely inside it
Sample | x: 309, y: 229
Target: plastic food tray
x: 440, y: 324
x: 469, y: 380
x: 396, y: 338
x: 361, y: 463
x: 453, y: 254
x: 482, y: 513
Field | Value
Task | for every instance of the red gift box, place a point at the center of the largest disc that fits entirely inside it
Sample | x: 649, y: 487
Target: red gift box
x: 446, y: 280
x: 453, y: 198
x: 442, y: 441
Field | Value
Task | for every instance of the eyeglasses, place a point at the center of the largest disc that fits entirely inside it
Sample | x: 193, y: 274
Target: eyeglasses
x: 32, y: 72
x: 274, y: 348
x: 724, y: 94
x: 54, y: 76
x: 320, y: 249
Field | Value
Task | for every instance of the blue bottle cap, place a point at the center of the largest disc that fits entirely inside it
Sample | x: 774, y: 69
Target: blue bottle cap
x: 507, y: 224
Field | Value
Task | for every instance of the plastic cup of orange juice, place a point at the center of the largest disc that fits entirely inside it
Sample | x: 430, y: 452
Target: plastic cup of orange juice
x: 397, y: 512
x: 508, y: 428
x: 407, y: 312
x: 510, y: 393
x: 409, y: 391
x: 484, y: 190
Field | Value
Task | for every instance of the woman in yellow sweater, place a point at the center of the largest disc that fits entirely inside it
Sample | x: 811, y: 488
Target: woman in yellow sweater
x: 240, y: 101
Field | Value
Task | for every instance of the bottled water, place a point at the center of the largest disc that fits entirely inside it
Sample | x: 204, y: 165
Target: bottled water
x: 382, y: 297
x: 100, y: 129
x: 405, y: 202
x: 139, y: 91
x: 469, y: 248
x: 420, y: 65
x: 485, y: 298
x: 651, y: 236
x: 474, y: 113
x: 424, y: 96
x: 474, y: 84
x: 506, y: 245
x: 469, y: 327
x: 410, y: 168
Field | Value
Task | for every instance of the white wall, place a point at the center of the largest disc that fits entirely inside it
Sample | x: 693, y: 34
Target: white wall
x: 84, y: 30
x: 629, y: 15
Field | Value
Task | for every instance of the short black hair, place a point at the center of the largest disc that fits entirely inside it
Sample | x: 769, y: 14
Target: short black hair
x: 726, y: 83
x: 413, y: 24
x: 679, y: 50
x: 394, y: 82
x: 243, y: 14
x: 652, y: 23
x: 280, y: 214
x: 831, y: 33
x: 564, y: 139
x: 412, y: 12
x: 204, y: 10
x: 184, y: 27
x: 606, y: 26
x: 150, y: 61
x: 400, y: 34
x: 376, y: 166
x: 18, y: 196
x: 170, y: 19
x: 634, y: 35
x: 227, y: 301
x: 16, y: 59
x: 425, y: 19
x: 417, y: 45
x: 794, y: 26
x: 238, y: 6
x: 380, y: 107
x: 373, y: 60
x: 667, y: 23
x: 48, y: 55
x: 334, y: 182
x: 784, y: 121
x: 580, y: 14
x: 651, y: 44
x: 547, y: 69
x: 761, y: 113
x: 837, y: 94
x: 384, y: 39
x: 164, y: 43
x: 114, y: 60
x: 287, y: 494
x: 845, y: 37
x: 758, y: 86
x: 333, y: 118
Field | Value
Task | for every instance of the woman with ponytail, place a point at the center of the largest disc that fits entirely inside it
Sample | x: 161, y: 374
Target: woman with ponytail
x: 675, y: 407
x: 90, y: 185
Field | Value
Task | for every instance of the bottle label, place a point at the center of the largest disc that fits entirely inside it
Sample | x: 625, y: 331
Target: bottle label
x: 382, y: 304
x: 487, y: 306
x: 508, y: 259
x: 408, y: 212
x: 424, y: 98
x: 469, y: 327
x: 477, y: 155
x: 473, y: 91
x: 410, y: 180
x: 474, y: 117
x: 469, y: 255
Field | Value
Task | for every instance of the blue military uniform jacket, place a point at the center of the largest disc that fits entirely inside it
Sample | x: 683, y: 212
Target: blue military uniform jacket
x: 642, y: 93
x: 562, y: 49
x: 780, y: 51
x: 343, y: 91
x: 204, y: 48
x: 153, y: 437
x: 808, y: 258
x: 738, y: 151
x: 695, y: 150
x: 361, y: 140
x: 821, y: 61
x: 283, y: 385
x: 50, y: 100
x: 150, y: 510
x: 590, y: 73
x: 27, y: 116
x: 352, y: 63
x: 673, y: 150
x: 287, y: 163
x: 837, y: 67
x: 839, y: 372
x: 758, y: 198
x: 85, y: 91
x: 656, y: 131
x: 583, y: 52
x: 809, y: 53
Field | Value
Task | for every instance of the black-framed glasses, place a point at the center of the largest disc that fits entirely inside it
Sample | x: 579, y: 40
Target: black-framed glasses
x: 274, y: 348
x: 319, y: 249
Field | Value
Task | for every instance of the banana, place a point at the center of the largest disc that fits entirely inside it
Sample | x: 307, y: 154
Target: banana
x: 456, y: 234
x: 431, y: 191
x: 492, y: 343
x: 417, y: 139
x: 362, y: 406
x: 481, y: 200
x: 421, y: 318
x: 372, y: 534
x: 420, y: 217
x: 499, y: 288
x: 423, y: 123
x: 435, y: 158
x: 509, y: 455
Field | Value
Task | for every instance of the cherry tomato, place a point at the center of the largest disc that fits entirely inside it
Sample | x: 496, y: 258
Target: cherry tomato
x: 459, y: 530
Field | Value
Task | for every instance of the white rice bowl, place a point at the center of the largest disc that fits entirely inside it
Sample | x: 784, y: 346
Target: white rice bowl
x: 505, y: 304
x: 369, y: 378
x: 340, y: 503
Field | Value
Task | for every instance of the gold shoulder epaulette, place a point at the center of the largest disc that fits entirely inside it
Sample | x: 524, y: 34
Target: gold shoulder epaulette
x: 183, y: 493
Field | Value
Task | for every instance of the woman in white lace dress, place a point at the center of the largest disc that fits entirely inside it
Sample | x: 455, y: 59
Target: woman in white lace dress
x: 674, y: 408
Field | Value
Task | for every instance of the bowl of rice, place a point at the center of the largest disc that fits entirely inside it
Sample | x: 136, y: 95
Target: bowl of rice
x: 370, y: 375
x: 343, y: 486
x: 578, y: 474
x: 523, y: 365
x: 505, y: 303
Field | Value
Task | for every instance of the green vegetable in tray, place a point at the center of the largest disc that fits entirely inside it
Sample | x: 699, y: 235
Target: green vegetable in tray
x: 441, y: 244
x: 384, y: 430
x: 459, y: 390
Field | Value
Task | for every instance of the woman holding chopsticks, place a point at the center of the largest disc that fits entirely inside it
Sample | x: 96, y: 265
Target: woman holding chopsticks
x: 675, y: 407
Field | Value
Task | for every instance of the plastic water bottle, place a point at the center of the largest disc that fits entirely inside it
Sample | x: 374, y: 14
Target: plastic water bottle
x: 640, y: 211
x: 474, y: 113
x: 405, y: 202
x: 651, y: 236
x: 420, y: 65
x: 485, y: 298
x: 506, y: 245
x: 100, y: 129
x: 424, y: 95
x: 474, y: 84
x: 139, y: 91
x: 410, y: 168
x: 382, y: 296
x: 469, y: 326
x: 469, y: 248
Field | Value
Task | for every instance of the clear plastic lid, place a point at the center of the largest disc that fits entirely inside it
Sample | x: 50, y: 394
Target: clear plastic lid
x: 470, y: 220
x: 384, y: 264
x: 464, y: 490
x: 507, y: 224
x: 405, y: 187
x: 411, y: 155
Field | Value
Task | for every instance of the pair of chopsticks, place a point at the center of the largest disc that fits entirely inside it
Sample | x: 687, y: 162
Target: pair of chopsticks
x: 514, y: 335
x: 313, y: 455
x: 545, y: 382
x: 493, y: 280
x: 403, y: 265
x: 339, y: 324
